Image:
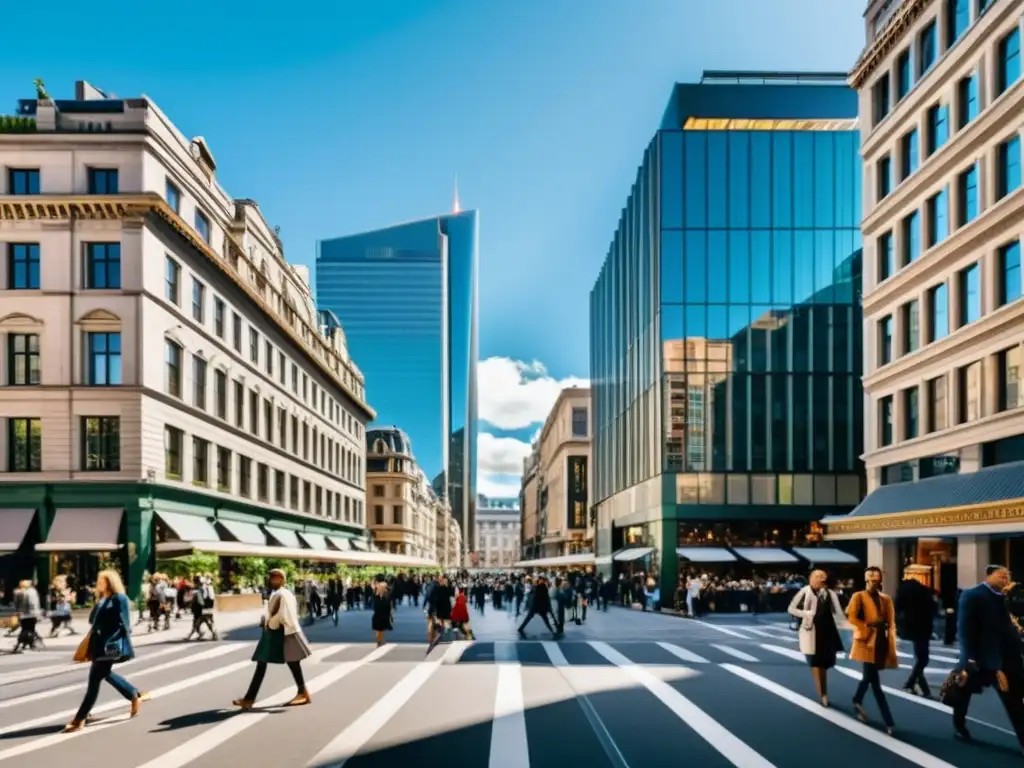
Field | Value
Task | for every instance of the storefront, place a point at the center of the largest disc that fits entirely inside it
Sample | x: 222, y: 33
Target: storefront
x: 78, y: 529
x: 942, y: 531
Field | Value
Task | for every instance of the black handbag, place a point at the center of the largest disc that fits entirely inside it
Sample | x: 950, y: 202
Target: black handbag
x: 954, y: 688
x: 794, y: 622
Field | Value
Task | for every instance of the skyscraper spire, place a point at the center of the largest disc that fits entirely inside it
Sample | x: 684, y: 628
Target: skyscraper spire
x: 456, y: 207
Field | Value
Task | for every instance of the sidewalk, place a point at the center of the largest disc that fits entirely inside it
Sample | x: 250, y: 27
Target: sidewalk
x: 226, y: 622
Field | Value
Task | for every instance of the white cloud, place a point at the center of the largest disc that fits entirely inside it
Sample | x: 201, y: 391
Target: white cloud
x: 514, y: 394
x: 500, y: 455
x: 498, y: 486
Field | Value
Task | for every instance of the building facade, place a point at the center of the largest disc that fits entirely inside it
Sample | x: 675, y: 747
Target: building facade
x: 529, y: 526
x: 941, y: 99
x: 497, y: 533
x: 406, y: 516
x: 725, y: 328
x: 562, y: 478
x: 407, y: 297
x: 164, y: 373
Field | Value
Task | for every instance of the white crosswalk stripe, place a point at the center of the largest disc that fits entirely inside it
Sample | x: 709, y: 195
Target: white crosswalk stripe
x: 600, y: 677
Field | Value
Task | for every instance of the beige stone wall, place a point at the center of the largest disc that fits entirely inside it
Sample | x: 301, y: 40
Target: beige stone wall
x: 999, y: 222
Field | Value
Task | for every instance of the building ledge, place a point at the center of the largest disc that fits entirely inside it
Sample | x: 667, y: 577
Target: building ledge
x: 135, y: 209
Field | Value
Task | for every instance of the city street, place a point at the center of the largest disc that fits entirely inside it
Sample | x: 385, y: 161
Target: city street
x: 625, y: 689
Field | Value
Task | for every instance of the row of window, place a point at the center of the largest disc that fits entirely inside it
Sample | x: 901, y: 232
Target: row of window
x: 102, y: 356
x: 937, y: 132
x: 920, y: 55
x: 261, y: 416
x: 968, y: 406
x: 26, y: 181
x: 967, y: 284
x: 311, y: 394
x: 238, y: 473
x: 100, y: 440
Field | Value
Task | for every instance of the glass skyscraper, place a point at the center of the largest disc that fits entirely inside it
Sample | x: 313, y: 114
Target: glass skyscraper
x: 726, y: 326
x: 407, y: 299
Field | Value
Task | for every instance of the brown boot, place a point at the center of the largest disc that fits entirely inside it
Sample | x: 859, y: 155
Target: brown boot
x: 301, y: 699
x: 243, y: 704
x: 140, y: 697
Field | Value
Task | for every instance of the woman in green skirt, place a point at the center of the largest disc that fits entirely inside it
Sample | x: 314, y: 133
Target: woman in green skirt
x: 282, y: 642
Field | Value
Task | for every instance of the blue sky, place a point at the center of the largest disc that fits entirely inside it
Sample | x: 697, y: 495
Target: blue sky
x: 342, y: 116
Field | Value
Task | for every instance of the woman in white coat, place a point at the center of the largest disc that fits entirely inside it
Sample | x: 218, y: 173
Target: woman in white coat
x: 819, y: 615
x: 282, y: 642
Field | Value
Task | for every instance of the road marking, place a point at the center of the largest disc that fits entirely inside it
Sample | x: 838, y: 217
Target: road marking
x: 195, y: 748
x: 723, y: 741
x: 611, y: 749
x: 213, y: 653
x: 797, y: 656
x: 902, y: 749
x: 69, y: 666
x: 723, y: 630
x: 509, y: 747
x: 352, y: 739
x: 945, y: 659
x: 681, y: 653
x: 60, y: 738
x: 735, y: 653
x: 920, y: 700
x: 763, y: 633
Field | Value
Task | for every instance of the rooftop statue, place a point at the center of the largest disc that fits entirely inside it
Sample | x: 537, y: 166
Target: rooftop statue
x: 41, y: 93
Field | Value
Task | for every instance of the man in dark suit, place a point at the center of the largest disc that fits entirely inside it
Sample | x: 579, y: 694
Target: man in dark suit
x: 990, y: 650
x: 539, y: 605
x: 915, y: 616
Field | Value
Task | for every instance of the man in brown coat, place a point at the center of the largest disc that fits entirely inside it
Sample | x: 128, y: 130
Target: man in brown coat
x: 873, y: 616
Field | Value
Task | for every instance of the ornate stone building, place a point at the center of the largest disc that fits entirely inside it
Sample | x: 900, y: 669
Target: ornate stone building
x: 404, y: 514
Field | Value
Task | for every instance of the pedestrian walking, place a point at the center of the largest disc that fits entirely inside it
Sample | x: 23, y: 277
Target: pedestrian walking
x: 440, y: 611
x: 915, y: 615
x: 203, y: 603
x: 108, y: 642
x: 281, y: 642
x: 819, y: 614
x: 539, y: 605
x: 990, y: 651
x: 873, y: 616
x: 460, y: 615
x: 29, y: 608
x: 383, y: 619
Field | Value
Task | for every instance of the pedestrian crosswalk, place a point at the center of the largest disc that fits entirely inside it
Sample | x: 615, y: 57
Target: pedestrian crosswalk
x: 500, y: 704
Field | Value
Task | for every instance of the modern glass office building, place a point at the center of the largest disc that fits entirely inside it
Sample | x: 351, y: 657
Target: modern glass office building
x: 726, y: 331
x: 407, y: 299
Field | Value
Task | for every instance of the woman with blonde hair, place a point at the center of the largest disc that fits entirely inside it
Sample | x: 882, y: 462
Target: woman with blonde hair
x: 109, y: 642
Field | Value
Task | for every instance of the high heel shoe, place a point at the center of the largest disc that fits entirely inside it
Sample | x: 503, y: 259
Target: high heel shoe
x: 74, y: 726
x: 824, y: 701
x: 299, y: 700
x: 243, y: 704
x: 862, y: 713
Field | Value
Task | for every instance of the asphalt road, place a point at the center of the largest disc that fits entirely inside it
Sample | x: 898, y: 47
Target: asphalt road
x: 625, y: 689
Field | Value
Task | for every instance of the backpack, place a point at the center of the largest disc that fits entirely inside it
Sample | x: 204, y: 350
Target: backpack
x: 208, y: 598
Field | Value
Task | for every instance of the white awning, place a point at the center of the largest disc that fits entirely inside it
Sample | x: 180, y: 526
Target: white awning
x: 631, y: 554
x: 558, y: 561
x: 603, y: 560
x: 359, y: 545
x: 14, y: 525
x: 343, y: 543
x: 246, y: 533
x: 706, y: 554
x: 188, y: 527
x: 825, y: 555
x: 765, y: 555
x: 315, y: 541
x: 84, y: 530
x: 284, y: 537
x: 240, y: 549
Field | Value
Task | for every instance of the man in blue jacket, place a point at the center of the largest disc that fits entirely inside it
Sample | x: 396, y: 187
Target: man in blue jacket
x: 990, y: 650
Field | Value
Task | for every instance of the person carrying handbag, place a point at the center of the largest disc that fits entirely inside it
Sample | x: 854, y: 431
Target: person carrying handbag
x: 817, y: 615
x: 107, y: 643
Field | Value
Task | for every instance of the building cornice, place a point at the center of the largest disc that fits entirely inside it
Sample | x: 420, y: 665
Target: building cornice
x: 886, y: 40
x: 134, y: 209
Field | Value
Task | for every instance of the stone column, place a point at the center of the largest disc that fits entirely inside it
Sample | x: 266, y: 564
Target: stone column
x: 971, y: 559
x: 884, y: 554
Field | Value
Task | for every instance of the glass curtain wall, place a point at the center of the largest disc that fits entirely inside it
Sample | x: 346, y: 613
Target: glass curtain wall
x: 760, y: 326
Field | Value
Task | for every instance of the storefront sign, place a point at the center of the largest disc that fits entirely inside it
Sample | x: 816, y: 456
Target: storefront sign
x: 963, y: 516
